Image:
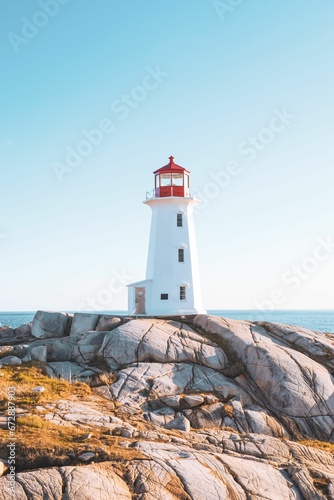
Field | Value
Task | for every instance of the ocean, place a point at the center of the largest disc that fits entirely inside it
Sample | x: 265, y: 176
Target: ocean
x: 320, y: 320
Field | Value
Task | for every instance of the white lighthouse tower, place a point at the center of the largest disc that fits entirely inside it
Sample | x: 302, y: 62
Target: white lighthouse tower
x: 172, y: 284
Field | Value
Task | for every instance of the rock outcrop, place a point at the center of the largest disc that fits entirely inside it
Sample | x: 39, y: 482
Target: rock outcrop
x: 50, y: 324
x: 159, y: 342
x: 83, y: 322
x: 201, y: 408
x: 295, y: 388
x: 254, y: 466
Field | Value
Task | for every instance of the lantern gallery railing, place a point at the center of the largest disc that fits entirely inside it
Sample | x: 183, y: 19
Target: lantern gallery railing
x: 172, y: 191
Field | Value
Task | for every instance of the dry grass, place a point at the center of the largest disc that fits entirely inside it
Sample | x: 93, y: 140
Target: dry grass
x: 228, y: 411
x: 44, y: 444
x: 176, y: 488
x: 106, y: 378
x: 322, y: 484
x: 321, y: 445
x: 25, y: 378
x: 40, y: 443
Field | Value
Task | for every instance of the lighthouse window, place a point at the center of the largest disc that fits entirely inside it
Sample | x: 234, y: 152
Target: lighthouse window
x: 156, y: 181
x: 182, y: 293
x: 179, y: 221
x: 181, y: 255
x: 165, y: 180
x: 177, y: 179
x: 164, y: 296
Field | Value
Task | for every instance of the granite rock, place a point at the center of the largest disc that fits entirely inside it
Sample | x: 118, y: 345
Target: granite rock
x: 50, y: 324
x: 83, y: 322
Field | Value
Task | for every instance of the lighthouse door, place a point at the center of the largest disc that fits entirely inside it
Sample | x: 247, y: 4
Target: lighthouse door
x: 140, y: 300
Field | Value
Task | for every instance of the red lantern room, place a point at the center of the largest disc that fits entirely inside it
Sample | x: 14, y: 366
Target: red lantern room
x: 171, y: 180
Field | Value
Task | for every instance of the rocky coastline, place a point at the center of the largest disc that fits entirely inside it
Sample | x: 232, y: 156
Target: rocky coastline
x: 199, y: 407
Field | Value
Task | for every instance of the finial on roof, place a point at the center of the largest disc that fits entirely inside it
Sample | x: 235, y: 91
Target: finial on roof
x: 171, y: 160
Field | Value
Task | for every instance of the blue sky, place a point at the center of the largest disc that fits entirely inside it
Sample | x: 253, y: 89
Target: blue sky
x: 251, y: 84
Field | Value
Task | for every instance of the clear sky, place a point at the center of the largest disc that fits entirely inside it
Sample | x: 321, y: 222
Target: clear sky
x: 241, y: 95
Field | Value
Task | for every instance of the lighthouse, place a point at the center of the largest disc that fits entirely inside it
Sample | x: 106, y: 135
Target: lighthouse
x: 172, y: 284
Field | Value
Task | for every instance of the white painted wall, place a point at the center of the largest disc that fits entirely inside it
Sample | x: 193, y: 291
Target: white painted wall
x: 163, y: 268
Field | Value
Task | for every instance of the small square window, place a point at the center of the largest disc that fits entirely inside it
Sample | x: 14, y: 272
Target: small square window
x: 182, y: 293
x: 164, y: 296
x: 179, y: 221
x: 181, y: 255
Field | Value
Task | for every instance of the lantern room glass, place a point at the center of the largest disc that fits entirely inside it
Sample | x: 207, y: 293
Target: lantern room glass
x: 165, y: 180
x: 177, y: 179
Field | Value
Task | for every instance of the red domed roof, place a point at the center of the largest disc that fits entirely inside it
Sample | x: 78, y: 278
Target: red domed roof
x: 171, y: 167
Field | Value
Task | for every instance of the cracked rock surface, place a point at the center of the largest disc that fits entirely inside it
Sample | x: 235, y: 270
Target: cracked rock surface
x: 159, y: 342
x: 263, y: 469
x: 210, y: 408
x: 297, y: 390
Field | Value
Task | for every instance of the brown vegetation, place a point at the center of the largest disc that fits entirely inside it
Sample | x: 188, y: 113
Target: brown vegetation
x: 321, y: 445
x: 25, y: 378
x: 43, y: 444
